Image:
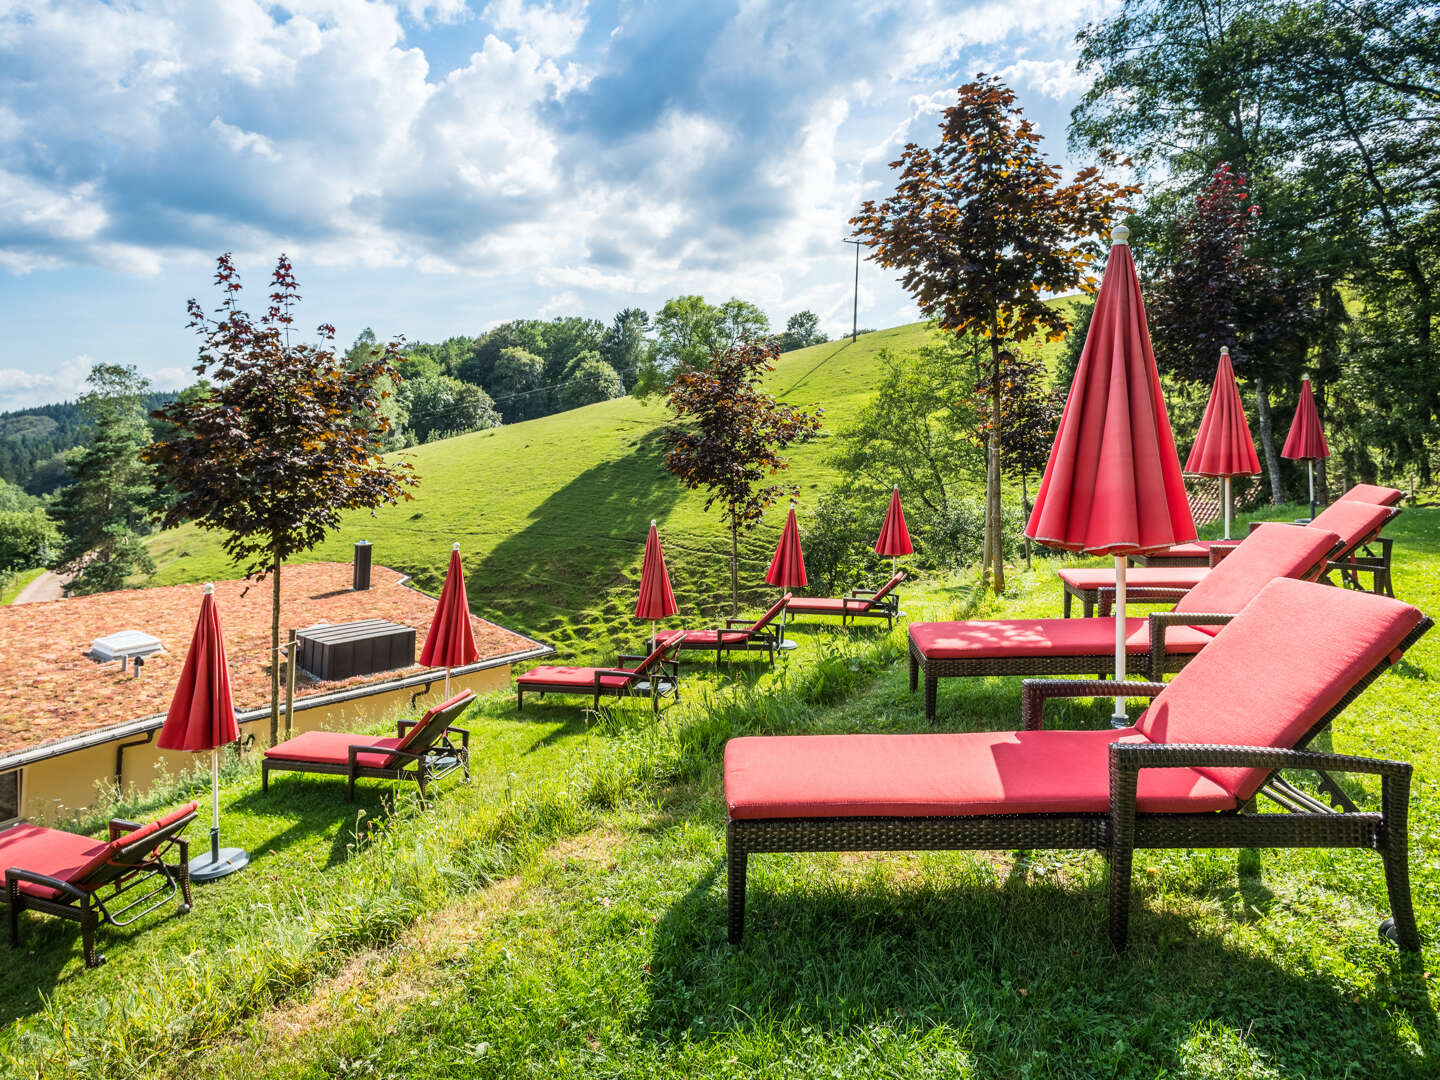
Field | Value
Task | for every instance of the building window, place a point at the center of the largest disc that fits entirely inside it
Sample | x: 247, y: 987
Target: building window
x: 9, y: 796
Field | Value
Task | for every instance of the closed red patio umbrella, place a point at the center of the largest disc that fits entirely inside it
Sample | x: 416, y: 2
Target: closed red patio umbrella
x: 450, y: 641
x: 656, y: 599
x: 1112, y: 484
x: 894, y: 538
x: 202, y: 717
x: 1223, y: 446
x: 1306, y: 441
x: 787, y: 568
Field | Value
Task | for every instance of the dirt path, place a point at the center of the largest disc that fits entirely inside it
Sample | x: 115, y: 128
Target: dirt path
x: 48, y: 586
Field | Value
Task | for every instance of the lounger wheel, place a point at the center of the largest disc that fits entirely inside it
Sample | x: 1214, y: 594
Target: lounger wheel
x: 100, y: 959
x: 1388, y: 933
x: 184, y: 909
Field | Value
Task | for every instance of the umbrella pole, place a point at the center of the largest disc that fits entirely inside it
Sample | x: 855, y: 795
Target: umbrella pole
x: 1310, y: 464
x: 447, y: 684
x: 1119, y: 719
x: 215, y: 805
x: 1225, y: 485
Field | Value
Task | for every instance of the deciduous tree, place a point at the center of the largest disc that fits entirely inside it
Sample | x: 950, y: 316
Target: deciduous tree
x: 729, y: 436
x: 287, y: 441
x: 982, y: 227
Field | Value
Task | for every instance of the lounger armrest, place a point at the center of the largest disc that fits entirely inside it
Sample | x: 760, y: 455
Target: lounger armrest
x: 1160, y: 621
x: 863, y: 592
x: 1221, y: 548
x: 633, y: 658
x: 600, y: 673
x: 1130, y: 758
x: 15, y: 874
x: 731, y: 624
x: 120, y: 826
x: 1035, y: 692
x: 354, y: 750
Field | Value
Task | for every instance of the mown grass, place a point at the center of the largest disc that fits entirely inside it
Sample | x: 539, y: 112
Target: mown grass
x: 551, y: 514
x: 481, y: 946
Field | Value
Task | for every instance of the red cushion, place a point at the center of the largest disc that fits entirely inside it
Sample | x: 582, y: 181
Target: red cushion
x: 1157, y: 577
x: 1270, y: 675
x: 416, y: 732
x: 988, y: 772
x: 54, y: 852
x: 884, y: 590
x: 1273, y: 550
x: 333, y: 748
x: 1373, y: 493
x: 984, y: 639
x: 1353, y: 522
x: 1196, y: 549
x: 825, y: 605
x: 707, y: 639
x: 581, y: 678
x: 769, y: 616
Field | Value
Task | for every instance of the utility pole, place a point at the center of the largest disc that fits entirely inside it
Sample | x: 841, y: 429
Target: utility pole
x: 855, y: 311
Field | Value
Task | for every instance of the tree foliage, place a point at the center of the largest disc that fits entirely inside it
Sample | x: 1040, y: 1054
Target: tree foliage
x: 728, y: 437
x: 588, y: 380
x: 440, y: 406
x: 518, y: 383
x: 802, y: 329
x: 981, y: 226
x: 287, y: 441
x: 106, y: 509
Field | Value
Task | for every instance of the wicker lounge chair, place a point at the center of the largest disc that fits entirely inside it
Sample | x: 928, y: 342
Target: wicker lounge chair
x: 81, y: 878
x: 881, y: 603
x: 737, y: 635
x: 1163, y: 643
x: 421, y: 751
x: 654, y: 676
x: 1356, y: 523
x: 1184, y: 776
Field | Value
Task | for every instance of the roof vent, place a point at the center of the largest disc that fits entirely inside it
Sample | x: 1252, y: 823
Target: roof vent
x: 123, y: 646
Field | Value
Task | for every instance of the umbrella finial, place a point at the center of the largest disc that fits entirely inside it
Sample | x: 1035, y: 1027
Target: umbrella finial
x: 652, y: 523
x: 455, y: 546
x: 1304, y: 378
x: 1120, y: 235
x: 209, y: 588
x: 1224, y: 350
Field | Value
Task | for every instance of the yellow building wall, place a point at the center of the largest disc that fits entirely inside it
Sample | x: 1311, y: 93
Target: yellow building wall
x: 56, y: 788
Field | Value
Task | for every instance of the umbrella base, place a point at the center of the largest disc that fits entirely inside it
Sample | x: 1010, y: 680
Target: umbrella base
x: 207, y: 867
x: 788, y: 645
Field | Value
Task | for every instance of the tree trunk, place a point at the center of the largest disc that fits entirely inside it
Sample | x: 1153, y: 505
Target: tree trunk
x: 734, y: 565
x: 1267, y: 438
x: 992, y: 475
x: 275, y: 651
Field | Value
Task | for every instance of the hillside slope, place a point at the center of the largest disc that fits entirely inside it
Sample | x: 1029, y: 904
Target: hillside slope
x: 551, y: 514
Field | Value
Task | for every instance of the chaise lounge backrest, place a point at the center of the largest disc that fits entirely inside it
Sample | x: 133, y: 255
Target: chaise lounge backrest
x: 769, y: 616
x: 1373, y: 493
x: 1274, y: 673
x: 885, y: 589
x: 1273, y: 550
x: 670, y: 644
x: 431, y: 726
x: 1354, y: 522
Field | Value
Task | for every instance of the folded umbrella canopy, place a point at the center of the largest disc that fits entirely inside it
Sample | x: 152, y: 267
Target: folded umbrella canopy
x: 656, y: 600
x: 202, y: 717
x: 894, y: 538
x: 1223, y: 446
x: 787, y: 568
x: 1112, y: 485
x: 1306, y: 441
x: 450, y: 641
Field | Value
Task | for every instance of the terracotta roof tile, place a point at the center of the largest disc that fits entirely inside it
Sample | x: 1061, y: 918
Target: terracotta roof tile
x: 50, y: 688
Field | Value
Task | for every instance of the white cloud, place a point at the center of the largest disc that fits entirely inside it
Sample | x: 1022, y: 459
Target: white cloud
x: 552, y: 28
x: 23, y: 389
x: 1055, y: 78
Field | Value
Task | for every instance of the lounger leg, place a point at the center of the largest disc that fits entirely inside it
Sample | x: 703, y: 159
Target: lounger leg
x: 736, y: 858
x: 1069, y: 596
x: 264, y: 776
x: 350, y: 784
x: 12, y: 902
x: 1121, y: 852
x: 519, y: 700
x: 1089, y: 607
x: 88, y: 922
x: 932, y: 687
x: 464, y: 756
x: 1395, y: 850
x: 182, y: 848
x: 914, y: 673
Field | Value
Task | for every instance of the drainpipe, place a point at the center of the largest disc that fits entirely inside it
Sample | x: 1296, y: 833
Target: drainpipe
x: 120, y: 749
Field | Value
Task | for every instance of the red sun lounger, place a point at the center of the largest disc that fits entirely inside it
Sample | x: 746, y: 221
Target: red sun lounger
x: 654, y: 676
x: 737, y: 635
x: 85, y: 880
x: 1185, y: 776
x: 421, y: 750
x: 1163, y: 643
x: 881, y: 603
x: 1355, y: 523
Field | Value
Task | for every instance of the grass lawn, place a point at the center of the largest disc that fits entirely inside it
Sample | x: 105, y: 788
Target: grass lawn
x: 551, y: 514
x: 564, y: 915
x: 16, y: 585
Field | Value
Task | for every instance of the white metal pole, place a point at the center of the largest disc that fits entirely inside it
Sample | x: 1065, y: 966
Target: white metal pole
x: 1225, y: 487
x: 1310, y: 464
x: 1119, y: 719
x: 447, y: 684
x: 215, y: 804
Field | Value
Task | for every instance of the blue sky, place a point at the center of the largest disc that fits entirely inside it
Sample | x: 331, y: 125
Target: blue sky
x: 433, y: 167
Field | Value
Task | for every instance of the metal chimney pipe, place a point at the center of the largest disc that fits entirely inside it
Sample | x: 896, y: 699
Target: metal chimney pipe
x: 362, y: 566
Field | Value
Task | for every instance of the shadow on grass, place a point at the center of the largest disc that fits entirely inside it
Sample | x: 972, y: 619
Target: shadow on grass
x: 1016, y: 970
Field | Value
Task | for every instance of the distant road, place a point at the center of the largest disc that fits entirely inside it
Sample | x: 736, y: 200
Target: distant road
x: 48, y: 586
